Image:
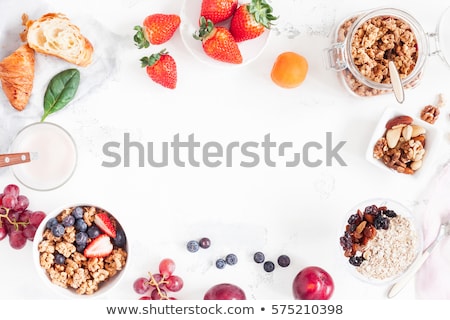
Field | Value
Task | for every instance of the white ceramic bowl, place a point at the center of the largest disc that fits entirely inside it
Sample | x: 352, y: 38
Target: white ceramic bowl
x: 190, y: 15
x: 70, y: 293
x: 417, y: 248
x: 432, y: 144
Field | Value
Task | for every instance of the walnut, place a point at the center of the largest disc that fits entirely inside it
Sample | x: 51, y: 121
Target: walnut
x: 379, y: 148
x: 430, y: 114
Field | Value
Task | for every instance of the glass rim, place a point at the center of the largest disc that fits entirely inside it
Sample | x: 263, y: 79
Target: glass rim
x: 66, y: 133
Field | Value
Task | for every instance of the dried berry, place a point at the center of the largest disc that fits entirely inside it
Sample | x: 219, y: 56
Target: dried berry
x: 390, y: 213
x: 356, y: 260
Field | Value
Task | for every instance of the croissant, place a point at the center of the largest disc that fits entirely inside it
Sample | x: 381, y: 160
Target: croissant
x: 54, y: 34
x: 17, y: 75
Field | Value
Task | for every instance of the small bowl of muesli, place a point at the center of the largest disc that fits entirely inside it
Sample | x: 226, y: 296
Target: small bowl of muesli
x: 380, y: 240
x: 80, y: 251
x: 403, y: 144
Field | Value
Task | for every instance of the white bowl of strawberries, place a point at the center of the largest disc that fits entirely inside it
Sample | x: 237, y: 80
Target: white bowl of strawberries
x: 228, y: 35
x: 80, y: 251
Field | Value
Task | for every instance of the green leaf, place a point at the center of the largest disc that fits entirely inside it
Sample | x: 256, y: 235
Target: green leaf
x: 60, y: 91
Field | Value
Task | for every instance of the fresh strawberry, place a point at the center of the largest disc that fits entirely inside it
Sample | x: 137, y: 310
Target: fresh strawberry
x: 218, y: 10
x: 157, y: 28
x: 105, y: 224
x: 99, y: 247
x: 161, y: 68
x: 251, y: 20
x: 217, y: 42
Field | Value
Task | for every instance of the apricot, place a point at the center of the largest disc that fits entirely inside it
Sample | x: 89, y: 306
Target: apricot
x: 289, y: 70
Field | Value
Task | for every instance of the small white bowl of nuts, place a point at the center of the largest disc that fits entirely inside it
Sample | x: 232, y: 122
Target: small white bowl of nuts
x: 403, y: 144
x: 80, y: 251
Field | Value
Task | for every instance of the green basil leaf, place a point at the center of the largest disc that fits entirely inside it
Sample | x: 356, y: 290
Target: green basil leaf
x: 60, y: 91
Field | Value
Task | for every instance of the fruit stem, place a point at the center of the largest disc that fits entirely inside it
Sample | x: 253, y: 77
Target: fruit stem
x: 156, y: 284
x: 13, y: 222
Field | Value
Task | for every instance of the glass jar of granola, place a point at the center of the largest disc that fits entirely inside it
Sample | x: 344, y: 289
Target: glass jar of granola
x: 364, y: 43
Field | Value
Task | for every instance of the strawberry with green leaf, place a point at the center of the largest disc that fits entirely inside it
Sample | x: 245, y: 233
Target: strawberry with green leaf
x: 218, y: 10
x: 218, y: 43
x: 251, y: 20
x: 161, y: 68
x: 156, y: 29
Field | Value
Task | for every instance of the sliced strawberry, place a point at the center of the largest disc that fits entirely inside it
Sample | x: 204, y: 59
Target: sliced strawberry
x: 105, y: 224
x: 99, y: 247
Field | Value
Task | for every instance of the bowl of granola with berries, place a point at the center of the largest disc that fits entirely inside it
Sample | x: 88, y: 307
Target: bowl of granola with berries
x: 80, y: 251
x: 380, y: 240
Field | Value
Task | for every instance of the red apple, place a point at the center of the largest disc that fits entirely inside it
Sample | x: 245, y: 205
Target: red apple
x: 225, y: 291
x: 313, y: 283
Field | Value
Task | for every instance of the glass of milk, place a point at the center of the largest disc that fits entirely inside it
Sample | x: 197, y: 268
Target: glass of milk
x: 54, y: 156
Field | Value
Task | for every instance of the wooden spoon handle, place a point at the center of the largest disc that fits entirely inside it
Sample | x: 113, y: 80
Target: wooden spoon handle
x: 14, y: 158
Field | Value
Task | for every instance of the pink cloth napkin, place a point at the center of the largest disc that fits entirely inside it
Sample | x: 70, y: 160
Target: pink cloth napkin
x: 433, y: 279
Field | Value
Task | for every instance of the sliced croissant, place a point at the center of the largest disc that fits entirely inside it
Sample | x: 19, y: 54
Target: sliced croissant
x: 54, y: 34
x: 17, y: 75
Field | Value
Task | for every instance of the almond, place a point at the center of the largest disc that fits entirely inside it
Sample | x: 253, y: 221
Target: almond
x: 399, y: 120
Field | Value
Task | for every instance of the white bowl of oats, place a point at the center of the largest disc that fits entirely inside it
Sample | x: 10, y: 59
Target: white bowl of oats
x: 80, y: 251
x: 380, y: 240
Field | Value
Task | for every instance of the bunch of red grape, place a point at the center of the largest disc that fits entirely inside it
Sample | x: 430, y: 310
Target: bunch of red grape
x: 158, y: 285
x: 16, y: 220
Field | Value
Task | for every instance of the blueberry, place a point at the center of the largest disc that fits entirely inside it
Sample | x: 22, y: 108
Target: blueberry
x: 59, y: 258
x: 81, y: 238
x: 80, y: 225
x: 80, y: 247
x: 204, y: 243
x: 269, y: 266
x: 78, y: 212
x: 220, y: 263
x: 284, y: 261
x: 259, y: 257
x: 192, y: 246
x: 68, y: 221
x: 231, y: 259
x: 51, y: 222
x: 93, y: 231
x: 120, y: 240
x: 58, y: 230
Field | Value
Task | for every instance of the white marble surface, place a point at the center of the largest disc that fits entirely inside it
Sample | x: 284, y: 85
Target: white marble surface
x: 296, y: 211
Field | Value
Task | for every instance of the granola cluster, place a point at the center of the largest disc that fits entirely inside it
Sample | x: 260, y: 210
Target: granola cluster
x: 84, y: 275
x: 379, y: 40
